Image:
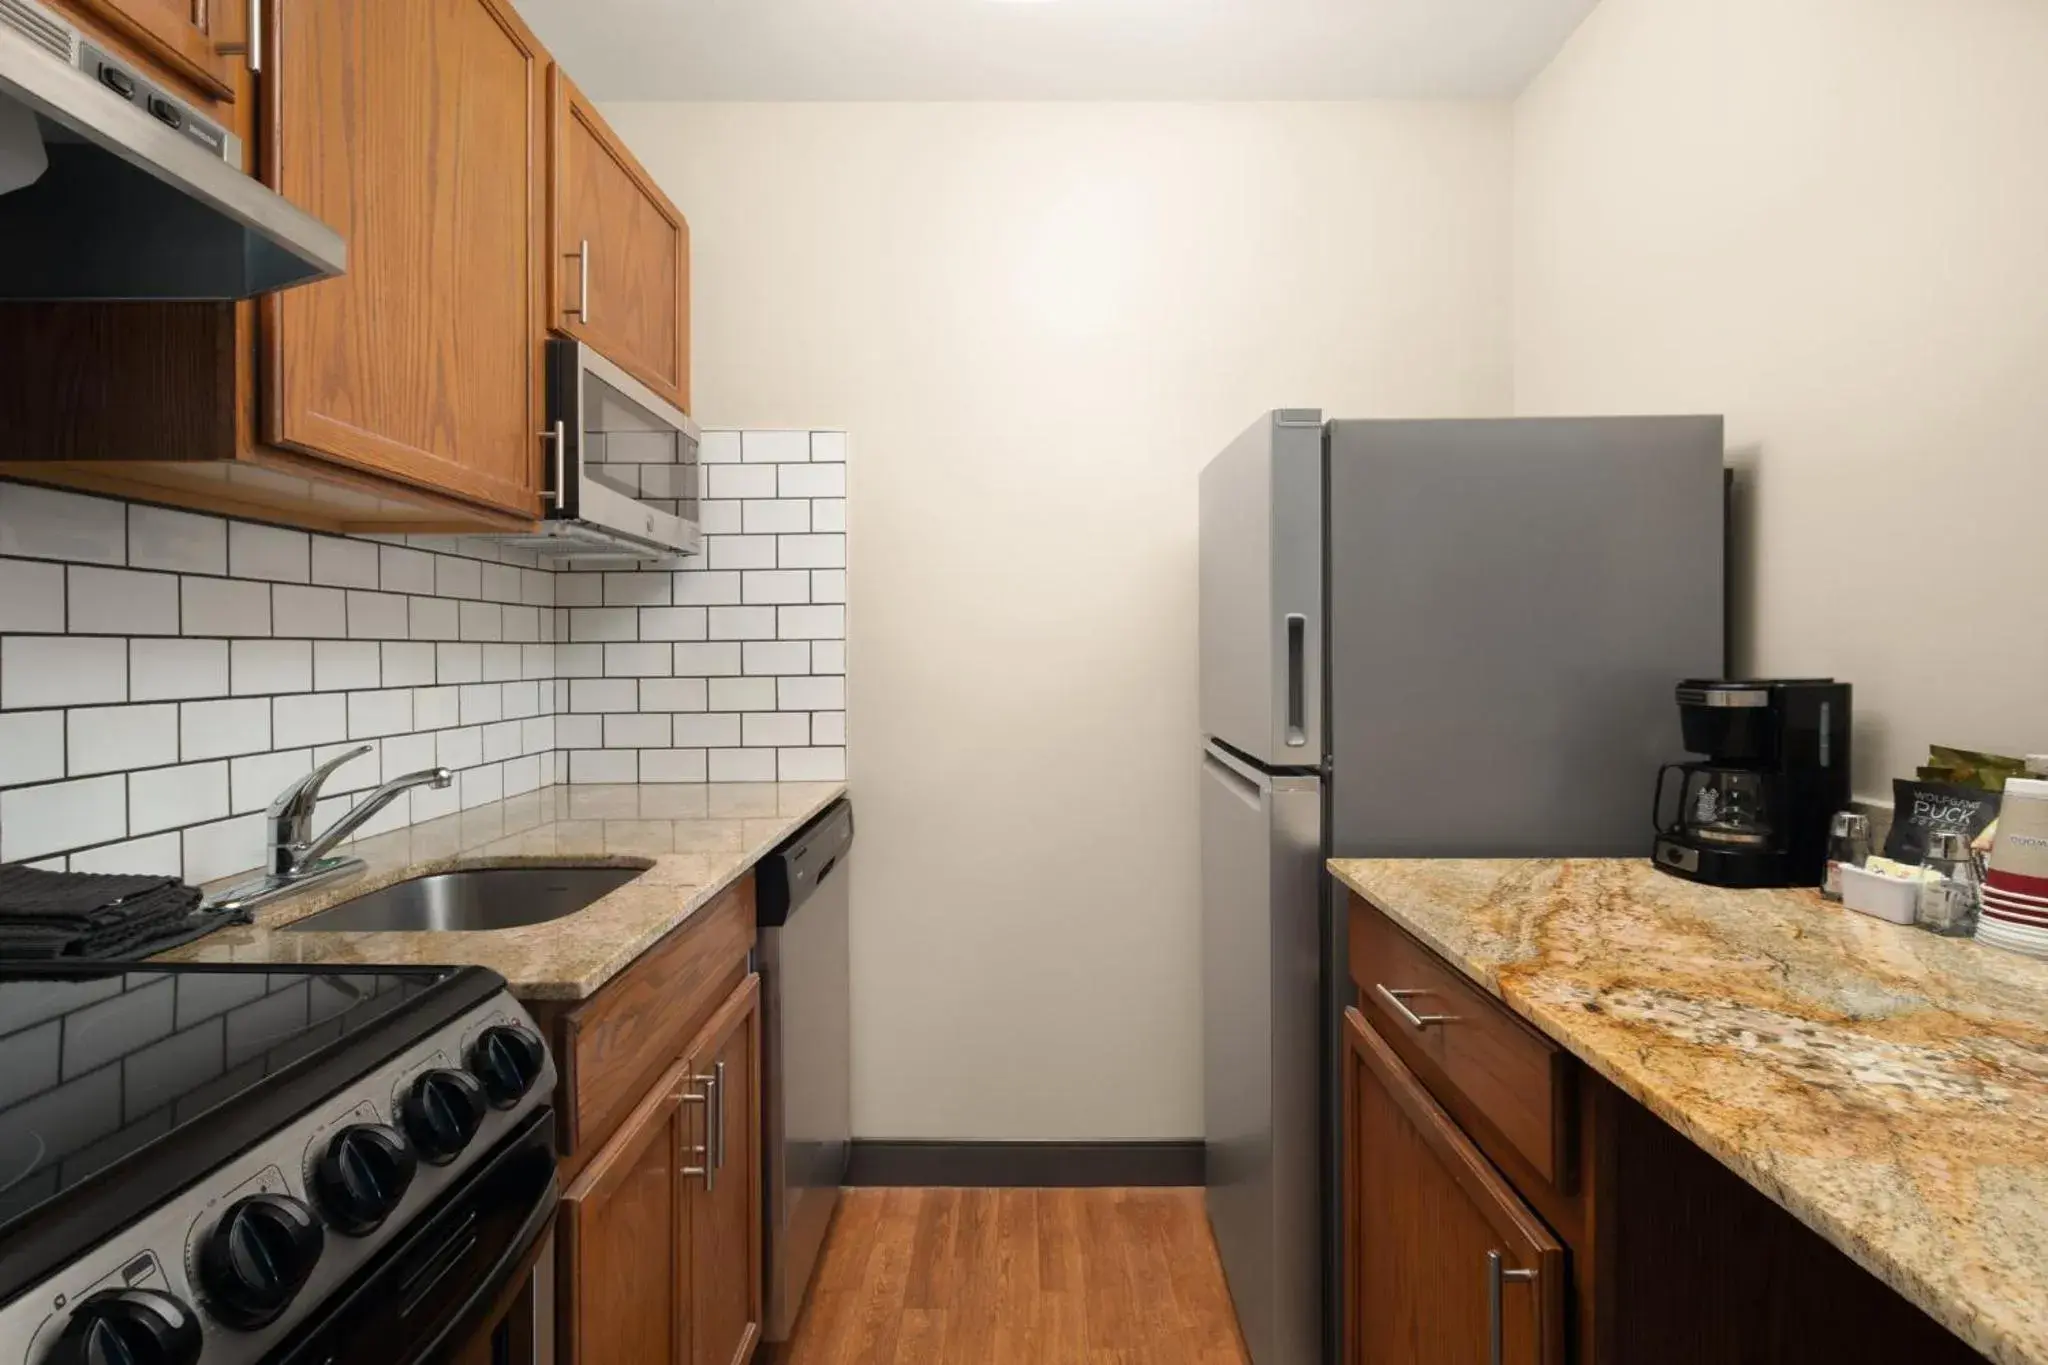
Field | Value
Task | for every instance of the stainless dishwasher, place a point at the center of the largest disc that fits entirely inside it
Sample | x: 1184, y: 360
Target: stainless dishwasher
x: 807, y: 1091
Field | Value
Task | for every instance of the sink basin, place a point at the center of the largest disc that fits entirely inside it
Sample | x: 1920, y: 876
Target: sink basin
x: 484, y: 898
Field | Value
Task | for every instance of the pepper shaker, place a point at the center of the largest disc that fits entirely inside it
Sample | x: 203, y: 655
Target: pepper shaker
x: 1848, y: 842
x: 1949, y: 906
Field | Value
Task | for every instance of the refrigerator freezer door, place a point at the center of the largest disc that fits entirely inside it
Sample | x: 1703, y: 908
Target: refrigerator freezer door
x: 1261, y: 860
x: 1262, y: 592
x: 1511, y: 605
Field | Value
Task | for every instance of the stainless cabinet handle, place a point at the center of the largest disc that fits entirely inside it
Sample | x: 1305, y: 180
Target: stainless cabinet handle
x: 256, y: 35
x: 1497, y: 1274
x: 702, y: 1150
x: 1398, y: 1002
x: 559, y: 494
x: 718, y: 1135
x: 582, y: 308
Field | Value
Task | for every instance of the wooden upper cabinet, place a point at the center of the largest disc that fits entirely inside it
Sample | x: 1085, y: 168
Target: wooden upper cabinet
x: 203, y: 41
x: 1444, y: 1264
x: 722, y: 1208
x: 624, y: 1246
x: 619, y: 256
x: 415, y: 128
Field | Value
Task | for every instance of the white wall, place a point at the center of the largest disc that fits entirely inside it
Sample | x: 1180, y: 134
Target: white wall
x: 1038, y: 322
x: 1829, y: 220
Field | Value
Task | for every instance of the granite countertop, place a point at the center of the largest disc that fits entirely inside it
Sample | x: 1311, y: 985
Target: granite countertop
x: 693, y: 840
x: 1888, y: 1087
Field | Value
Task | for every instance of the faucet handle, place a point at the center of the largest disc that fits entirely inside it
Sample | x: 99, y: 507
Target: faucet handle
x: 291, y: 814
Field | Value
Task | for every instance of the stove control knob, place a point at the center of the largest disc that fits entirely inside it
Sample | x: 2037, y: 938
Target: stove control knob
x: 441, y: 1113
x: 129, y: 1327
x: 258, y: 1257
x: 508, y: 1060
x: 361, y: 1177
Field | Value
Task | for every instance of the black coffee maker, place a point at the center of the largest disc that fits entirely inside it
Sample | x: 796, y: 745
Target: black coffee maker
x: 1755, y: 811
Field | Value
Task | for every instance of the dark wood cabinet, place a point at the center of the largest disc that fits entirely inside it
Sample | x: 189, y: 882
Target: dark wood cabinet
x: 619, y: 258
x: 722, y: 1207
x: 624, y: 1252
x: 412, y: 126
x: 1446, y: 1264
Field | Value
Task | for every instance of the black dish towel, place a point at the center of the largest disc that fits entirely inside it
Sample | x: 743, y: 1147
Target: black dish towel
x: 86, y: 915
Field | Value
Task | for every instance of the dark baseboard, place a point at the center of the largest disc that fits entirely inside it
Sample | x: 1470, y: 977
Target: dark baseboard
x: 1014, y: 1165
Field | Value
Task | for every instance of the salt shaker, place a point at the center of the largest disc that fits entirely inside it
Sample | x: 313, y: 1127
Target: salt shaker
x: 1848, y: 842
x: 1949, y: 905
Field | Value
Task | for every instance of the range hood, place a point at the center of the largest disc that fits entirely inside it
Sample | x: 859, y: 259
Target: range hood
x: 142, y: 196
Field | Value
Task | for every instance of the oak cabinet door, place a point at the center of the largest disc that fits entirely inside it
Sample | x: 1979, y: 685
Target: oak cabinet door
x: 722, y: 1208
x: 415, y: 128
x: 1445, y: 1265
x: 625, y: 1253
x: 198, y: 39
x: 620, y: 255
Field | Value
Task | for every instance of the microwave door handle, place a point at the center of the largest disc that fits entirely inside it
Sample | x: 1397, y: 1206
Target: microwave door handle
x: 559, y: 436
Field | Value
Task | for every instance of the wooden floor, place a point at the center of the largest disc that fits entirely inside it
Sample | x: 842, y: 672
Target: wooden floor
x: 1019, y: 1277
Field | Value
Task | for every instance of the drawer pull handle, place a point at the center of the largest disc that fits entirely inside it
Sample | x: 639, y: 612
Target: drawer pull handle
x: 1497, y: 1274
x: 1398, y: 1002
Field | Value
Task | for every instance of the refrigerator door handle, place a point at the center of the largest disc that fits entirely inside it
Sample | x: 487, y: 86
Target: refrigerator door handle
x: 1242, y: 782
x: 1297, y: 680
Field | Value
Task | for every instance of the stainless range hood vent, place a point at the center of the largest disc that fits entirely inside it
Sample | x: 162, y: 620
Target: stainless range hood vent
x: 143, y: 195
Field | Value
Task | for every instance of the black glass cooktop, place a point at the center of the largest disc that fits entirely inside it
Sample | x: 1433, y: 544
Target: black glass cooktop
x: 96, y: 1064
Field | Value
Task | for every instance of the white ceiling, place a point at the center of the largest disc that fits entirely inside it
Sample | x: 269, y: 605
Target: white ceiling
x: 1052, y: 49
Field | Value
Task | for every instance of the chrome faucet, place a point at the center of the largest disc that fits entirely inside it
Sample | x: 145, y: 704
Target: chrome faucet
x: 295, y: 859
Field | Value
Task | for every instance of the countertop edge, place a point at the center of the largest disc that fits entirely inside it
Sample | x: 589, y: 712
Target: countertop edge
x: 1973, y: 1330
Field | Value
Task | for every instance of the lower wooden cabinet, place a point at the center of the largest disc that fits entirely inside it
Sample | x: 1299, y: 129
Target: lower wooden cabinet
x: 1446, y: 1264
x: 661, y: 1229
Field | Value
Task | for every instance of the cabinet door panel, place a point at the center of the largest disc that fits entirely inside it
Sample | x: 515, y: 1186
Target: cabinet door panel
x: 415, y: 128
x: 194, y: 38
x: 724, y: 1211
x: 623, y: 1240
x: 620, y: 260
x: 1424, y: 1213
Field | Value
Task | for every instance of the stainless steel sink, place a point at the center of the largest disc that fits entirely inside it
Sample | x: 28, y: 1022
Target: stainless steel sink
x: 484, y: 898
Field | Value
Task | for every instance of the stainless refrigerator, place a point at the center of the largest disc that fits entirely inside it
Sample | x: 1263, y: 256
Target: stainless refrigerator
x: 1419, y: 639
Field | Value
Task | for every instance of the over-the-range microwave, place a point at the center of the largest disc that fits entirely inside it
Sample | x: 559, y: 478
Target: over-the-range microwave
x: 623, y: 476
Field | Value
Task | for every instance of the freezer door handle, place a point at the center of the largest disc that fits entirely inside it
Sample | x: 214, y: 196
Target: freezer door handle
x: 1297, y: 680
x: 1240, y: 782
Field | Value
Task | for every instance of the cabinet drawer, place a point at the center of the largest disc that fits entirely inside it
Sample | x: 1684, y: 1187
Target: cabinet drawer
x: 612, y: 1046
x: 1514, y: 1076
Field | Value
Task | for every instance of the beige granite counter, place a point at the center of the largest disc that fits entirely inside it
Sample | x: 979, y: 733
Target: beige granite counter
x: 694, y: 842
x: 1888, y: 1087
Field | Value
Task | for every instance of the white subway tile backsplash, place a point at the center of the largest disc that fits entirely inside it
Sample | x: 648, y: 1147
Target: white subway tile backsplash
x: 31, y: 747
x: 672, y: 765
x: 377, y: 616
x: 114, y: 739
x: 816, y: 693
x: 181, y: 542
x: 31, y: 595
x: 346, y: 665
x: 742, y: 765
x: 270, y: 552
x: 221, y: 729
x: 310, y: 613
x: 811, y: 552
x: 672, y: 694
x: 743, y: 694
x: 61, y: 670
x: 775, y: 447
x: 157, y: 748
x: 270, y: 666
x: 809, y: 481
x: 225, y: 606
x: 165, y: 798
x: 46, y: 523
x: 811, y: 765
x: 170, y: 670
x: 342, y: 563
x: 314, y: 718
x: 38, y: 821
x: 775, y: 729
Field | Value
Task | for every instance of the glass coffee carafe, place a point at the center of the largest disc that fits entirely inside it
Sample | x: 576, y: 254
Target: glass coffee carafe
x: 1717, y: 804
